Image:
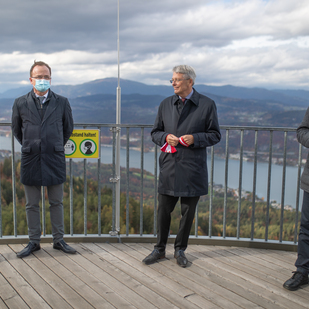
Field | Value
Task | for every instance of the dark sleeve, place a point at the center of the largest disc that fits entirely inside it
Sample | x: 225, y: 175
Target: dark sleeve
x: 16, y: 123
x: 212, y: 134
x: 158, y: 134
x: 68, y: 124
x: 303, y: 131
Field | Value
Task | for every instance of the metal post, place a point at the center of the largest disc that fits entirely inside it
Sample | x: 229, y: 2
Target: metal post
x: 127, y: 184
x: 254, y: 184
x: 99, y: 186
x: 268, y: 184
x: 240, y: 181
x: 14, y: 187
x: 283, y: 185
x: 71, y: 197
x: 43, y: 211
x: 118, y: 122
x: 85, y: 197
x: 226, y: 182
x: 211, y: 195
x: 297, y: 194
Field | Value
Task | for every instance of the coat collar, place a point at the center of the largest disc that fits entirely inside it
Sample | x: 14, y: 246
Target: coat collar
x: 194, y: 98
x: 52, y: 104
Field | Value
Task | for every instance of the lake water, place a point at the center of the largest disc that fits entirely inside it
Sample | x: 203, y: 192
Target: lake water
x: 219, y: 172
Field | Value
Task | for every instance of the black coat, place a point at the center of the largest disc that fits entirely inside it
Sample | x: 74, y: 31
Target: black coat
x: 303, y: 138
x: 42, y: 140
x: 184, y: 173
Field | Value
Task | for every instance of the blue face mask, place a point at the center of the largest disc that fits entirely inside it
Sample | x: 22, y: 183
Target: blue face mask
x: 42, y: 85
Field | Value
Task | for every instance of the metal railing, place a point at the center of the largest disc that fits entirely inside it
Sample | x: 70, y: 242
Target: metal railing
x: 242, y: 134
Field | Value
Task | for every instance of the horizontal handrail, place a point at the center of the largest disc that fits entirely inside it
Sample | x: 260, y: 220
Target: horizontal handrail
x: 204, y: 214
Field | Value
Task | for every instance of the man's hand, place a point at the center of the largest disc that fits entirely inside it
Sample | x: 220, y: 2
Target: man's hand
x: 189, y: 139
x: 172, y: 140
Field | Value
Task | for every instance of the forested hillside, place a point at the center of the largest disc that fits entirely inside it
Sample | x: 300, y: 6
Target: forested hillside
x: 134, y: 207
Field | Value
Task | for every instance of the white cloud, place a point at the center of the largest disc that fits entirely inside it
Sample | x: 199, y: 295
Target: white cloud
x: 244, y: 42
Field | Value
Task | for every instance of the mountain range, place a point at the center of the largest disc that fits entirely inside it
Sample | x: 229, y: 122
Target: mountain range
x: 95, y: 102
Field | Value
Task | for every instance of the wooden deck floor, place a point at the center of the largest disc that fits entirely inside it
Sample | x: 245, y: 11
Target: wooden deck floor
x: 105, y: 275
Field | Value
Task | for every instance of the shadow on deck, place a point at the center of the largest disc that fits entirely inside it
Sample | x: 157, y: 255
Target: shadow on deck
x: 111, y: 275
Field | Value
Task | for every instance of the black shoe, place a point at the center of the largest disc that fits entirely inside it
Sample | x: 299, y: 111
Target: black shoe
x: 153, y: 256
x: 296, y: 281
x: 181, y: 258
x: 62, y: 245
x: 31, y: 247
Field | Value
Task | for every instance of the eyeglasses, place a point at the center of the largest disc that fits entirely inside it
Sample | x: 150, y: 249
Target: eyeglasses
x: 177, y: 80
x: 42, y: 77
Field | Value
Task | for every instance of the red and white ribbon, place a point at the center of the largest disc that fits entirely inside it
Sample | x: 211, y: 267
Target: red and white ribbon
x: 182, y: 142
x: 168, y: 148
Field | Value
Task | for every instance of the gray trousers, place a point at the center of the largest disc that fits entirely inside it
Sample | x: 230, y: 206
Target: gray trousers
x: 55, y: 197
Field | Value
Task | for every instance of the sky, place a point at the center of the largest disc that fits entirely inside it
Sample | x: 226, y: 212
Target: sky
x: 249, y: 43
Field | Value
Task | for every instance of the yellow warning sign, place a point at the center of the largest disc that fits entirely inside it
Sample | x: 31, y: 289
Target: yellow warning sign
x: 83, y: 144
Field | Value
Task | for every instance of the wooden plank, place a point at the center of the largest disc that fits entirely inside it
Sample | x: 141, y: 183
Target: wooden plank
x: 16, y: 280
x: 112, y: 268
x: 264, y: 256
x: 149, y: 277
x: 32, y: 274
x: 118, y: 281
x: 207, y: 293
x: 237, y: 260
x: 228, y: 281
x: 269, y: 291
x: 200, y: 281
x: 8, y: 296
x: 281, y: 274
x: 78, y: 279
x: 193, y: 297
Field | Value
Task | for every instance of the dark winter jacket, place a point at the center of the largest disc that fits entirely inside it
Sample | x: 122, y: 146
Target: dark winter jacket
x: 184, y: 173
x: 42, y: 140
x: 303, y: 138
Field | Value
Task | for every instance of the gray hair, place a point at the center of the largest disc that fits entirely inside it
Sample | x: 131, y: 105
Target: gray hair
x: 185, y: 70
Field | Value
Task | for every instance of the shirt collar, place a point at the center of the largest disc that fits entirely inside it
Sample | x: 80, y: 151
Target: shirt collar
x: 188, y: 96
x: 45, y: 95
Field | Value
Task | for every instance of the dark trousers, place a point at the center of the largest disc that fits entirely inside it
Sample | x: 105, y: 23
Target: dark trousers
x: 55, y: 197
x: 302, y: 262
x: 166, y: 206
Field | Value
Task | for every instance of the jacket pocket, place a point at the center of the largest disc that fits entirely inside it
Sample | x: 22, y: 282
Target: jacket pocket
x: 26, y: 149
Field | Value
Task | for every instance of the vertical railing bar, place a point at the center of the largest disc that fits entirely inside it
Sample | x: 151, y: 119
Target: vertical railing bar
x: 14, y: 187
x: 240, y: 181
x: 254, y: 185
x: 196, y: 221
x: 99, y: 186
x: 226, y: 181
x: 71, y: 197
x: 211, y: 195
x: 1, y: 232
x: 114, y: 181
x: 283, y: 185
x: 85, y: 197
x: 142, y: 182
x: 155, y: 190
x: 127, y: 183
x: 269, y: 184
x: 43, y: 211
x: 297, y: 192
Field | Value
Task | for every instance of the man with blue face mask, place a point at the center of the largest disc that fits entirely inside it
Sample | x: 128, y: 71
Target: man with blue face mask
x: 42, y: 123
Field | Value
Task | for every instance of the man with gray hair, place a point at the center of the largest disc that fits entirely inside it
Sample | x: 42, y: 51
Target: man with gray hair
x: 185, y: 125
